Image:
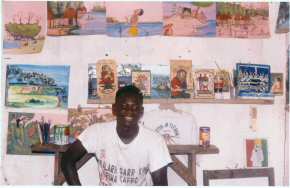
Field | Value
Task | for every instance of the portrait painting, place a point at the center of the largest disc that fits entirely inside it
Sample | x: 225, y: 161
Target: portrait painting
x: 142, y: 80
x: 277, y: 83
x: 257, y: 152
x: 204, y: 83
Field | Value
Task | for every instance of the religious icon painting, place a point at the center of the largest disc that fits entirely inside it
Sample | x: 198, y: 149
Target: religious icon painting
x: 24, y: 26
x: 107, y: 84
x: 204, y: 83
x: 257, y: 152
x: 277, y: 83
x: 283, y: 18
x: 181, y: 78
x: 124, y: 73
x: 222, y: 84
x: 142, y: 80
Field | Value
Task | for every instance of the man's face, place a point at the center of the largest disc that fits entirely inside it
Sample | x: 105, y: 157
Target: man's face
x: 128, y: 110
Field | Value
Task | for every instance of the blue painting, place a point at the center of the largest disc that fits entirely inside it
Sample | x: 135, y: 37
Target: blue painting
x: 124, y: 73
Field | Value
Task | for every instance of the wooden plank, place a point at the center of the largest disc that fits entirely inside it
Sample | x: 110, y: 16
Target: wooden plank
x: 192, y: 149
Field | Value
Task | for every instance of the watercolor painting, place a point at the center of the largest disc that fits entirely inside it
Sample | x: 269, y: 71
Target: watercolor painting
x: 124, y: 73
x: 257, y: 152
x: 37, y: 86
x: 181, y: 78
x: 189, y: 19
x: 283, y: 18
x: 277, y: 83
x: 142, y: 80
x: 107, y: 84
x: 133, y: 19
x: 92, y: 82
x: 24, y: 26
x: 24, y: 129
x: 81, y: 118
x: 75, y: 18
x: 243, y: 20
x: 204, y: 83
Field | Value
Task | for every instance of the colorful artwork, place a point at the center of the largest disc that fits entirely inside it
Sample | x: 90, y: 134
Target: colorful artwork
x: 253, y: 80
x: 181, y: 78
x: 24, y: 26
x: 37, y: 86
x: 222, y: 84
x: 189, y: 19
x: 82, y: 118
x: 243, y: 20
x: 257, y: 152
x: 134, y: 19
x: 92, y: 82
x: 204, y: 83
x: 160, y: 80
x: 277, y: 83
x: 142, y: 80
x: 76, y: 18
x: 24, y: 129
x: 283, y: 18
x: 124, y: 73
x: 107, y: 79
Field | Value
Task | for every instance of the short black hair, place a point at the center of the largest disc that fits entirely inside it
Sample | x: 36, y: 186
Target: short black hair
x: 129, y: 90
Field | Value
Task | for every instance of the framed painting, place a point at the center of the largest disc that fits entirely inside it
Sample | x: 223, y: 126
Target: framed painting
x: 37, y: 86
x: 92, y: 82
x: 282, y: 25
x: 257, y: 152
x: 277, y: 83
x: 124, y: 73
x: 223, y: 84
x: 142, y: 80
x: 204, y: 83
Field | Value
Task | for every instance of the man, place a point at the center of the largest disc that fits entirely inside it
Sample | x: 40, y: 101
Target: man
x: 126, y: 152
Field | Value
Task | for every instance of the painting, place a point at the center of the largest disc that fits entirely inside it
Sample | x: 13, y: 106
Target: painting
x: 24, y: 129
x: 24, y: 26
x: 189, y: 19
x: 142, y: 80
x: 243, y: 19
x: 124, y: 73
x: 37, y: 86
x: 222, y: 84
x: 277, y: 83
x: 282, y: 25
x: 257, y: 152
x: 204, y: 83
x: 181, y: 78
x: 81, y: 118
x: 134, y: 19
x: 92, y: 82
x: 107, y: 79
x: 75, y: 18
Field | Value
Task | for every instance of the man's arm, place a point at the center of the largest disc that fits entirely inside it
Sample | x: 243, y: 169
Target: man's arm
x: 68, y: 162
x: 159, y: 177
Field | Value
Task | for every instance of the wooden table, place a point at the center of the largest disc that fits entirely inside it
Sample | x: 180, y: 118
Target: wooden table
x: 188, y: 174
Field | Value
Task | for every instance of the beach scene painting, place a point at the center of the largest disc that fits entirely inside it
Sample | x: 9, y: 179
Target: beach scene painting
x: 24, y: 24
x: 24, y: 129
x: 189, y: 19
x: 133, y: 19
x: 243, y: 20
x: 76, y: 18
x: 283, y: 18
x: 124, y: 73
x: 37, y: 86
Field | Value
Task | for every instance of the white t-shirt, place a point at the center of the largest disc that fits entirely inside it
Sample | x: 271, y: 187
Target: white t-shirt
x: 125, y: 164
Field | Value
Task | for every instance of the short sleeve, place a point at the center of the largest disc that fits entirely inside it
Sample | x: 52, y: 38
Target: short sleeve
x: 159, y: 155
x: 89, y: 137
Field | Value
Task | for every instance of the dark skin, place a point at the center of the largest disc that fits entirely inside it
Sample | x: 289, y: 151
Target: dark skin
x: 128, y: 111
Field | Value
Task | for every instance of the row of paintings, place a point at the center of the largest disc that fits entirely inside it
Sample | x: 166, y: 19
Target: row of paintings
x: 27, y: 22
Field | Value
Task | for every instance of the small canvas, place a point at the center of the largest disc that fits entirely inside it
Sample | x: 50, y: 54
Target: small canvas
x: 107, y: 84
x: 142, y: 80
x: 222, y: 84
x: 24, y: 130
x: 124, y: 73
x: 277, y: 83
x: 92, y: 82
x: 181, y: 78
x: 282, y: 25
x: 189, y: 19
x: 204, y: 83
x: 257, y: 152
x: 76, y: 18
x: 37, y: 86
x: 133, y: 19
x: 24, y: 26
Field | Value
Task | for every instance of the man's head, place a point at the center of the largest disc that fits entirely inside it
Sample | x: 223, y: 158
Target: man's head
x: 128, y: 109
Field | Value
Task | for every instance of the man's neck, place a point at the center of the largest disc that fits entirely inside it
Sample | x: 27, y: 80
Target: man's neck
x: 128, y: 139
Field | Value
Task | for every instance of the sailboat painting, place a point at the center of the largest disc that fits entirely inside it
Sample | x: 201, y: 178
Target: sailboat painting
x: 24, y: 26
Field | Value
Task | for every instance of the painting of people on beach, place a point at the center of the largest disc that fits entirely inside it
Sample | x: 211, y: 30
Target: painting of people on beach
x: 257, y: 152
x: 243, y: 20
x: 181, y: 78
x: 160, y: 80
x: 37, y: 86
x: 142, y: 80
x: 107, y: 81
x: 124, y: 73
x: 81, y: 118
x: 92, y: 82
x: 24, y: 26
x: 25, y: 129
x: 189, y: 19
x: 133, y: 19
x: 283, y: 18
x: 75, y: 18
